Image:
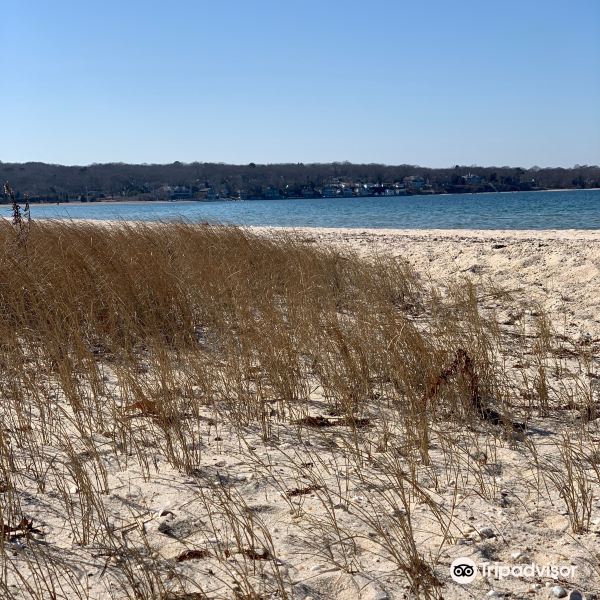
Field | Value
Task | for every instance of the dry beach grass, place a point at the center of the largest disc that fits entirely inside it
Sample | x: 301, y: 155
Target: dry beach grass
x: 193, y: 411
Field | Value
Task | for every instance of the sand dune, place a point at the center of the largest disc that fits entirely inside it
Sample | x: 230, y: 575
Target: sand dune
x: 560, y: 269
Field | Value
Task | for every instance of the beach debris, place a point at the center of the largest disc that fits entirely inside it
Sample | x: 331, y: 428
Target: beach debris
x: 463, y: 364
x: 311, y: 421
x: 359, y: 423
x: 486, y: 533
x: 24, y: 528
x: 252, y: 553
x: 321, y: 421
x: 558, y: 591
x: 291, y: 493
x: 179, y: 527
x: 258, y: 553
x: 193, y: 555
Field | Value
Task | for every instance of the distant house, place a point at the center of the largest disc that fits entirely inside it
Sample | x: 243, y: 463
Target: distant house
x: 330, y: 191
x: 471, y: 179
x: 308, y: 192
x: 211, y: 194
x: 347, y: 192
x: 414, y: 182
x: 528, y: 184
x: 364, y: 190
x: 181, y: 192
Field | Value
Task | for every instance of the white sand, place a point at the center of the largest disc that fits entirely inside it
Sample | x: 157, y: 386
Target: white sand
x: 558, y: 268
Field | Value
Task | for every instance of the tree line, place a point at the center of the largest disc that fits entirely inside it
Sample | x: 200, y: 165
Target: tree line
x: 58, y: 182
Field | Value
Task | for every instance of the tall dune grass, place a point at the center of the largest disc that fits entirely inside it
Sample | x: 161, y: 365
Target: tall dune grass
x: 117, y: 342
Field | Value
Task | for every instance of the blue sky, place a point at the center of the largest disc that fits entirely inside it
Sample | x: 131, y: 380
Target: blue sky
x: 430, y: 82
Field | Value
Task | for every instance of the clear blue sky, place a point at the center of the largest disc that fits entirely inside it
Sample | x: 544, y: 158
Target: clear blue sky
x: 490, y: 82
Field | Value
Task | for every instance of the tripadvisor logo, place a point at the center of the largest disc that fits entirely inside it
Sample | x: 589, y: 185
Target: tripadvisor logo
x: 463, y: 570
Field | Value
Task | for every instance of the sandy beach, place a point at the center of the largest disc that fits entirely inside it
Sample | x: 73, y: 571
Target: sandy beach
x: 560, y: 269
x: 228, y: 471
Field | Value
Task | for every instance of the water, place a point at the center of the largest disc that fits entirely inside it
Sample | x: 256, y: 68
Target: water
x: 579, y: 209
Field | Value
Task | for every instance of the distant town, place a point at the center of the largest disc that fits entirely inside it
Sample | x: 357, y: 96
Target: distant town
x: 336, y: 188
x: 208, y: 182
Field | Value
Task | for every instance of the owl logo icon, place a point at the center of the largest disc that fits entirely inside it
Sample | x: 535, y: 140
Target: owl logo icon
x: 463, y: 570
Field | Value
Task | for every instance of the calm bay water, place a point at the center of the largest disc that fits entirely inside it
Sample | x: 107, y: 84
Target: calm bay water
x: 520, y: 210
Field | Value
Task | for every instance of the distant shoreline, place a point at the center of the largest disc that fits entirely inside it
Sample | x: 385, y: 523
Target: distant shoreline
x: 193, y: 201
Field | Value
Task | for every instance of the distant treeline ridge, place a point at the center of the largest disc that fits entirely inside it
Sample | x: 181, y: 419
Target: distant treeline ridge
x: 49, y: 182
